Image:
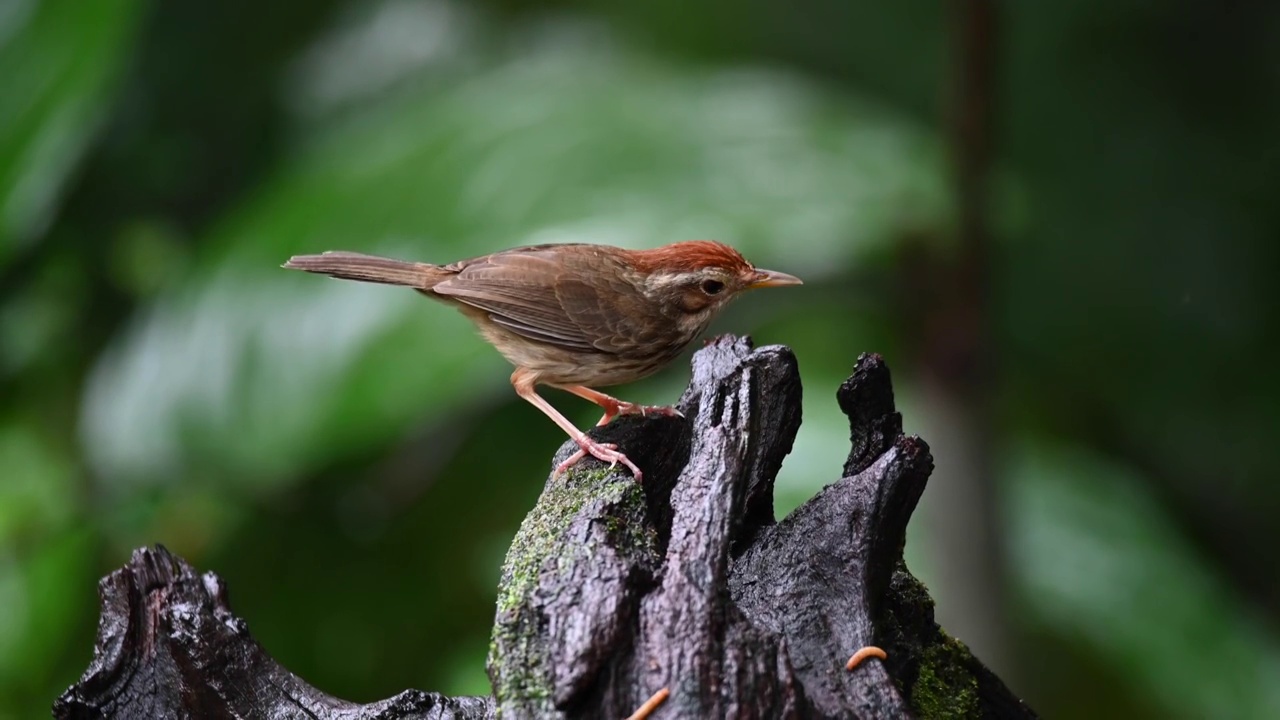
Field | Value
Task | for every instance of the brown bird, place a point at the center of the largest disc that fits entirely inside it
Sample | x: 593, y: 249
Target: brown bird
x: 576, y: 316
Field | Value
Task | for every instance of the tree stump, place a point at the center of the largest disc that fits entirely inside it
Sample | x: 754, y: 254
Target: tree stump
x: 614, y: 590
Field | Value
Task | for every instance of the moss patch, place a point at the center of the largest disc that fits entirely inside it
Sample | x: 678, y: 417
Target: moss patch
x: 946, y: 687
x: 517, y: 654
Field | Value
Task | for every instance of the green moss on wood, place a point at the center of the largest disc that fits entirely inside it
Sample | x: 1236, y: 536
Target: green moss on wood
x: 517, y: 659
x: 946, y: 686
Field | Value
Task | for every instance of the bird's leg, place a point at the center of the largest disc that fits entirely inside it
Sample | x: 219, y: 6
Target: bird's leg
x: 523, y: 382
x: 614, y: 407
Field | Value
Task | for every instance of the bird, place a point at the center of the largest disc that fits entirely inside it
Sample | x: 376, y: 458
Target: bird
x: 576, y: 316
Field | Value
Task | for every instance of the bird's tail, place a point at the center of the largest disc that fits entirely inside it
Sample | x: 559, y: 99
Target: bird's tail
x: 368, y: 268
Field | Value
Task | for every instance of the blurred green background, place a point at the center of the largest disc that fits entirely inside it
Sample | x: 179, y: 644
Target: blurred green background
x: 1095, y: 369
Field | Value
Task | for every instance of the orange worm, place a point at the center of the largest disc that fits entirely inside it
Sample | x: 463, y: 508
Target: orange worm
x: 650, y: 705
x: 863, y: 654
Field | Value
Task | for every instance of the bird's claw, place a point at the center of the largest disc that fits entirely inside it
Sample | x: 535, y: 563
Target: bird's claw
x: 604, y: 452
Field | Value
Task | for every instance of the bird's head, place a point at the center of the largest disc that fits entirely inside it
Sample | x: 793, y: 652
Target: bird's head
x: 700, y: 277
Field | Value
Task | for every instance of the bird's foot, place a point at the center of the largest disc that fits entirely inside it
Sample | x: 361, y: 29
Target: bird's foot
x: 622, y: 407
x: 604, y: 452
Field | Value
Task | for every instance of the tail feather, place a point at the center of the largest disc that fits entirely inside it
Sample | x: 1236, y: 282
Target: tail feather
x: 366, y: 268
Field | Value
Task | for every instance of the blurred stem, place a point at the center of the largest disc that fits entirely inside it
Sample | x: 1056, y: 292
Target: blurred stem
x: 956, y: 365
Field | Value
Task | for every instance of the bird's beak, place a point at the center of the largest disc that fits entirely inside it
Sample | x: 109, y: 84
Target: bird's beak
x: 772, y: 278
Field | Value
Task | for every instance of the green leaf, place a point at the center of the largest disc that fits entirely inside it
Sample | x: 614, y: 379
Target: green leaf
x: 38, y: 488
x: 248, y: 372
x: 58, y: 59
x: 1099, y: 560
x: 48, y: 599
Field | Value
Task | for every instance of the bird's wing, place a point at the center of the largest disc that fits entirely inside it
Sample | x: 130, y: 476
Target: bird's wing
x: 537, y: 294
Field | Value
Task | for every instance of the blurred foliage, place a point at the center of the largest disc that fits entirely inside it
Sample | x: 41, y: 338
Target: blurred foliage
x: 351, y: 459
x: 57, y: 64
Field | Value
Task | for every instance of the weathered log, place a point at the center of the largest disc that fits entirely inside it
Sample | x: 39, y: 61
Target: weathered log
x: 614, y: 590
x: 169, y: 647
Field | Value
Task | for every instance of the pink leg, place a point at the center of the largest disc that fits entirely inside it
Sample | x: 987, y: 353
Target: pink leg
x: 523, y: 381
x: 614, y: 407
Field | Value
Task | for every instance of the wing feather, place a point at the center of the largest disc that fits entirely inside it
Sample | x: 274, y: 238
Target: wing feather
x: 541, y: 294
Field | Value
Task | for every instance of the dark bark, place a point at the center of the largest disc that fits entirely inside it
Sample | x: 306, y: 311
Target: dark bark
x: 169, y: 647
x: 613, y: 590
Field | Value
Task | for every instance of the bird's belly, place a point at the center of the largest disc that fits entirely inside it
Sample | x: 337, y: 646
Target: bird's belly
x: 557, y: 365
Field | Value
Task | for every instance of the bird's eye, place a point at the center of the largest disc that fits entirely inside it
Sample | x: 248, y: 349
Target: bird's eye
x: 712, y: 287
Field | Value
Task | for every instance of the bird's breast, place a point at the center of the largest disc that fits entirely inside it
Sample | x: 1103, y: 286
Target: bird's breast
x: 558, y: 365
